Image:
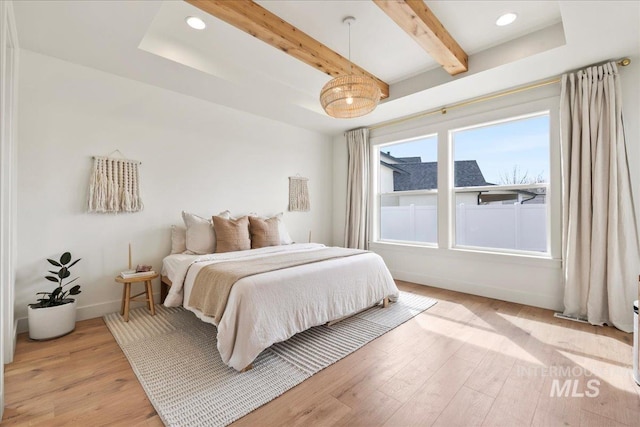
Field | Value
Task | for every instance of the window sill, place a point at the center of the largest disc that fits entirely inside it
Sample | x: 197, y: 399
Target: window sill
x: 542, y: 260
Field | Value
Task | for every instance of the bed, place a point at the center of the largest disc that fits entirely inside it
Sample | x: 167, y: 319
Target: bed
x: 270, y: 307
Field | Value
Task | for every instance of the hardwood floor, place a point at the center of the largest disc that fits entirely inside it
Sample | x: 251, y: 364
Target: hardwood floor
x: 466, y: 361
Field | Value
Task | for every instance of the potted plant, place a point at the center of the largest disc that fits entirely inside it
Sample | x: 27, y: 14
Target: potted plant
x: 54, y: 314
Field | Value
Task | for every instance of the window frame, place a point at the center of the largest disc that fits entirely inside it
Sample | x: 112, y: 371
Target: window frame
x: 444, y: 128
x: 458, y: 190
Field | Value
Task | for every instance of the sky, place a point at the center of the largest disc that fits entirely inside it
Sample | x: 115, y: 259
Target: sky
x: 497, y: 148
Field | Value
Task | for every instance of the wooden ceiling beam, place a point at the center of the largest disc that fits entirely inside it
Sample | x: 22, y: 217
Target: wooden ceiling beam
x: 414, y: 17
x: 264, y: 25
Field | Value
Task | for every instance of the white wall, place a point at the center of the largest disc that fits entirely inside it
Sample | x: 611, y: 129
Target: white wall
x: 536, y: 282
x: 8, y: 125
x: 386, y: 180
x: 340, y: 165
x: 195, y: 156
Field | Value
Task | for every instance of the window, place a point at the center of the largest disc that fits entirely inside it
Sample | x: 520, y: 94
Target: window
x: 408, y: 183
x: 501, y: 184
x: 486, y: 182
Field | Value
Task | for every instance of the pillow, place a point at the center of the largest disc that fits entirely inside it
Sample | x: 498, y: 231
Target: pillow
x: 200, y: 238
x: 264, y: 232
x: 231, y: 234
x: 178, y: 239
x: 285, y: 239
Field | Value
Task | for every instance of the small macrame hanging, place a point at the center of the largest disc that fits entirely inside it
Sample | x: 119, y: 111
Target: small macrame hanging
x: 114, y: 186
x: 298, y: 194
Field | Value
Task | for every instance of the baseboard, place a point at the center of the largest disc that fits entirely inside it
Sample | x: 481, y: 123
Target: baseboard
x: 574, y: 319
x: 90, y: 311
x: 9, y: 349
x: 526, y: 298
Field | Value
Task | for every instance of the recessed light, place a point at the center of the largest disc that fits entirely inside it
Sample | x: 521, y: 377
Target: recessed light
x: 506, y: 19
x: 195, y: 23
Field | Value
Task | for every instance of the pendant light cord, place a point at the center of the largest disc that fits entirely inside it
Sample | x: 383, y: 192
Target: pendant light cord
x: 350, y: 63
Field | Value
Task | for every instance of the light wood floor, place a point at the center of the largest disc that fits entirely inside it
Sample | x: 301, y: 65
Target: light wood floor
x: 462, y: 362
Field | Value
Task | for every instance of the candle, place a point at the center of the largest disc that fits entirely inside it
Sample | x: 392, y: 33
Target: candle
x: 129, y: 256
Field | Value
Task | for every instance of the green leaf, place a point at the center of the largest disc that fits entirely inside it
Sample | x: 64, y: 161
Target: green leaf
x: 55, y: 293
x: 74, y: 263
x: 53, y: 272
x: 75, y: 290
x: 51, y: 278
x: 62, y: 272
x: 70, y: 281
x: 65, y: 258
x: 66, y: 274
x: 56, y: 263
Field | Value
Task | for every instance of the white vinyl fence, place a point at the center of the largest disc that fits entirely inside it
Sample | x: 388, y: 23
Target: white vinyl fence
x: 521, y: 227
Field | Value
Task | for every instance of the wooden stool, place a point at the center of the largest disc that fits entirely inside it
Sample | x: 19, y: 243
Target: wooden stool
x: 126, y: 293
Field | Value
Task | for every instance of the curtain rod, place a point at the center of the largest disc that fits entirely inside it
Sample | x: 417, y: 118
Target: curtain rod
x: 443, y: 110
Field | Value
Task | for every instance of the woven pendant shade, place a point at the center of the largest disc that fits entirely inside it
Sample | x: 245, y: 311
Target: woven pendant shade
x: 350, y: 96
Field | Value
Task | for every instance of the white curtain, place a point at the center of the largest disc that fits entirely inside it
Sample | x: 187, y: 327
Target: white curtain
x: 357, y: 220
x: 600, y: 246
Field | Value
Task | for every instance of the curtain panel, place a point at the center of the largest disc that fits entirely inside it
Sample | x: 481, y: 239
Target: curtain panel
x: 358, y: 189
x: 600, y: 246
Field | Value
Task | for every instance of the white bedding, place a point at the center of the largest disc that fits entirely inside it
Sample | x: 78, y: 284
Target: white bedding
x: 271, y: 307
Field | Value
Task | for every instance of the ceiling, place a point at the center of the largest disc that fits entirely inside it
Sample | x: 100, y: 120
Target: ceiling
x: 149, y: 41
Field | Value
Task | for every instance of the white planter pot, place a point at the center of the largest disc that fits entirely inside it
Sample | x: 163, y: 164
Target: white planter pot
x: 51, y: 322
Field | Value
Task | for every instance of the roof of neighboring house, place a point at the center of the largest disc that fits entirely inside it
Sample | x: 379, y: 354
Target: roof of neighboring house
x: 416, y: 159
x: 418, y: 176
x: 392, y: 166
x: 468, y: 174
x: 411, y: 173
x: 424, y: 176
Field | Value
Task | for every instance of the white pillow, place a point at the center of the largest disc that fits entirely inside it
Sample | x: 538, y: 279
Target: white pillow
x: 178, y: 239
x: 200, y: 238
x: 285, y: 239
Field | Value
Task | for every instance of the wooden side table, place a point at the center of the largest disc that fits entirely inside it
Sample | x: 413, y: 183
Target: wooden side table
x: 126, y: 293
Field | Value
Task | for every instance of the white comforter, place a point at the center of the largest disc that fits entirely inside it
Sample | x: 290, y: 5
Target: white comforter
x: 268, y: 308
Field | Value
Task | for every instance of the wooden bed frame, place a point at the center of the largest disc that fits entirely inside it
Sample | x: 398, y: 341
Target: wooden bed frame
x: 165, y: 284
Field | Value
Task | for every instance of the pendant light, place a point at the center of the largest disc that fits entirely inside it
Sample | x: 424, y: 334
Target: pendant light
x: 349, y: 96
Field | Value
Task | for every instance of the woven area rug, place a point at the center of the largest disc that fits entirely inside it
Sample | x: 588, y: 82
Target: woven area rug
x: 175, y: 357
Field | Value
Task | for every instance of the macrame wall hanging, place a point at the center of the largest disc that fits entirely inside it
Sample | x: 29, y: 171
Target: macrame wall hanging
x: 298, y: 194
x: 114, y: 186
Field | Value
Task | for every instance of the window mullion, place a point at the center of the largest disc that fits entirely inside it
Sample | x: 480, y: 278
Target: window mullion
x: 445, y: 185
x: 554, y: 214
